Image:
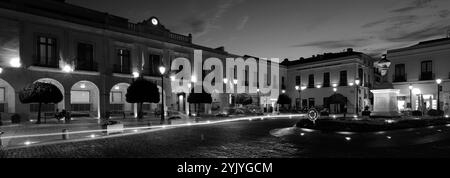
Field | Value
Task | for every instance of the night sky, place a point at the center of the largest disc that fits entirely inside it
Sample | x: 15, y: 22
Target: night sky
x: 292, y: 28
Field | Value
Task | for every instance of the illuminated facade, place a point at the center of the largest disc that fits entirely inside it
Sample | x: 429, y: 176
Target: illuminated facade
x: 414, y: 71
x: 91, y: 56
x: 313, y: 81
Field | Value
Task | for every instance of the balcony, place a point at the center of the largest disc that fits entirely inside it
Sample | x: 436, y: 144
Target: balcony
x: 399, y: 78
x: 426, y: 76
x: 49, y: 65
x: 87, y: 67
x: 121, y: 69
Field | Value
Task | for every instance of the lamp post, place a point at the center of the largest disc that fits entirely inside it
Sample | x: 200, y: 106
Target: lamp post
x: 235, y: 82
x: 299, y: 96
x: 259, y: 99
x: 410, y: 96
x: 438, y: 82
x: 188, y: 110
x: 357, y: 81
x: 162, y: 70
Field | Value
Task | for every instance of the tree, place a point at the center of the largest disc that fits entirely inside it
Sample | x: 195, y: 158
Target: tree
x: 141, y: 91
x: 284, y: 99
x: 198, y: 98
x: 40, y: 92
x: 244, y: 99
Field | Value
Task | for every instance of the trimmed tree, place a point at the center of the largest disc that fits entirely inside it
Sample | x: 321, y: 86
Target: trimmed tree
x: 244, y: 99
x: 141, y: 91
x: 40, y: 92
x: 198, y: 98
x: 284, y: 99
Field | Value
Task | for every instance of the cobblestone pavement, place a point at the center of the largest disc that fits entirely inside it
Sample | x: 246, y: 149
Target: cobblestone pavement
x: 239, y: 139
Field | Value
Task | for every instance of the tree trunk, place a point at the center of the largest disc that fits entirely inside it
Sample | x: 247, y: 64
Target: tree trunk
x: 197, y: 108
x: 39, y: 114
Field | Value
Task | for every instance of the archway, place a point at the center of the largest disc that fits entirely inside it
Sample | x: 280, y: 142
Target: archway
x: 85, y: 99
x: 336, y: 103
x: 50, y: 107
x: 117, y: 100
x: 7, y: 97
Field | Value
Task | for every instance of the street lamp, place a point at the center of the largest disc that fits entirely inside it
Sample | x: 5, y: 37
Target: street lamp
x: 235, y: 81
x: 410, y: 96
x: 162, y: 70
x: 439, y: 88
x: 357, y: 81
x: 299, y: 96
x: 335, y: 90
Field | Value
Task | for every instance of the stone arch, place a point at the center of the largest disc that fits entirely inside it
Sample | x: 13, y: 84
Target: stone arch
x: 8, y: 98
x: 85, y: 98
x: 117, y: 98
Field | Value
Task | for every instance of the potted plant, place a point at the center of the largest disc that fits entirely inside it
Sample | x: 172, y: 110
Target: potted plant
x: 111, y: 127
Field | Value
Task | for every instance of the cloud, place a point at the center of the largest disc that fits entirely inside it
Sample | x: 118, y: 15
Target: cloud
x: 242, y: 23
x: 414, y: 35
x: 414, y: 5
x: 211, y: 23
x: 396, y: 20
x: 444, y: 13
x: 336, y: 44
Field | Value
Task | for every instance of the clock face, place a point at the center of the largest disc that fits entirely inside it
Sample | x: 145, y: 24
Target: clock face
x: 155, y: 21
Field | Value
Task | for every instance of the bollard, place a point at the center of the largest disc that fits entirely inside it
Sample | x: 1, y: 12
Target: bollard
x: 1, y: 139
x: 65, y: 134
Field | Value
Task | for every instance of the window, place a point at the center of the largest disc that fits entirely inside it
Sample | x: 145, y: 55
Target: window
x: 116, y: 97
x: 46, y: 52
x: 297, y: 80
x: 326, y: 79
x: 426, y: 70
x: 399, y: 75
x: 282, y: 83
x: 311, y: 102
x: 80, y: 97
x: 151, y: 65
x: 85, y: 57
x: 123, y: 61
x: 311, y: 81
x: 343, y: 78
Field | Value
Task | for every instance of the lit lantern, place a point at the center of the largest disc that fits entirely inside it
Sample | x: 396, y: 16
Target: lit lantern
x: 15, y: 62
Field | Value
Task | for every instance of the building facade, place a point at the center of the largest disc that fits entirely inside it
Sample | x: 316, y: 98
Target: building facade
x: 92, y: 57
x: 414, y: 71
x: 329, y: 81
